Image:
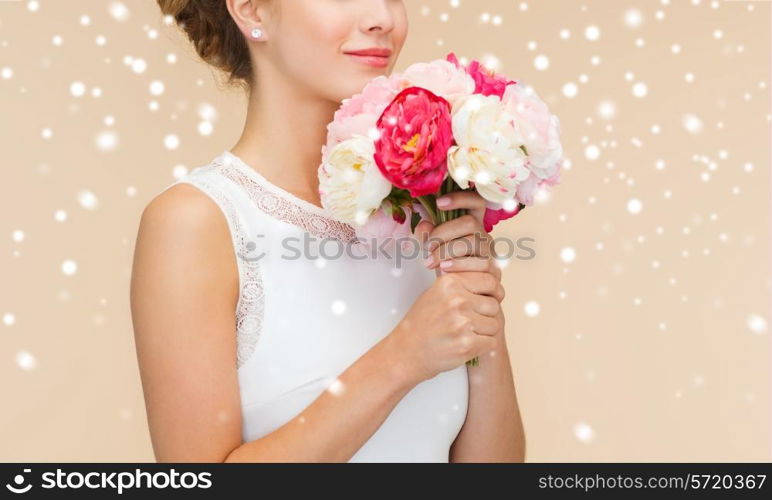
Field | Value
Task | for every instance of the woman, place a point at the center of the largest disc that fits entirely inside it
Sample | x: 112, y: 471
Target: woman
x: 248, y: 355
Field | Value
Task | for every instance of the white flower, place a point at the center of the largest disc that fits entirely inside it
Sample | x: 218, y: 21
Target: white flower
x: 350, y: 183
x: 488, y: 150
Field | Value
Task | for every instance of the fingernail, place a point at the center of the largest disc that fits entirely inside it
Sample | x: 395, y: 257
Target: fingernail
x: 443, y: 201
x: 432, y: 245
x: 446, y: 263
x: 429, y: 261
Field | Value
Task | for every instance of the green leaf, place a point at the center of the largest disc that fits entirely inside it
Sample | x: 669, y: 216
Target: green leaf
x: 399, y: 196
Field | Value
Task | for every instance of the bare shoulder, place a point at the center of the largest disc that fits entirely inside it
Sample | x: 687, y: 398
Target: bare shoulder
x: 182, y: 204
x: 183, y: 235
x: 184, y: 290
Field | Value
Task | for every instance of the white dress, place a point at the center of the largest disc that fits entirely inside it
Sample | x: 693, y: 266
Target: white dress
x: 302, y: 320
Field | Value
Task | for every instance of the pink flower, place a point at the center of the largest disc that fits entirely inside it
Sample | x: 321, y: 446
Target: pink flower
x: 487, y: 82
x: 442, y: 78
x: 527, y: 188
x: 415, y: 135
x: 381, y: 226
x: 495, y: 215
x: 539, y: 129
x: 358, y: 115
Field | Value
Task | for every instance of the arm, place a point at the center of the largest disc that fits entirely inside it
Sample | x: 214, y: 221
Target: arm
x: 493, y: 430
x: 184, y: 291
x: 336, y: 425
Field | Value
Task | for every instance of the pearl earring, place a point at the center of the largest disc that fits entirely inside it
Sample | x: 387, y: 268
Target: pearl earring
x: 257, y: 33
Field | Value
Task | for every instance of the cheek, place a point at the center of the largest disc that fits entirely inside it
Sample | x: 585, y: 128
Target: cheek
x: 401, y: 29
x: 311, y: 38
x: 319, y: 26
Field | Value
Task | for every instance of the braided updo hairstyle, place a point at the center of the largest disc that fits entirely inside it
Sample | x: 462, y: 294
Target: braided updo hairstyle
x: 215, y: 36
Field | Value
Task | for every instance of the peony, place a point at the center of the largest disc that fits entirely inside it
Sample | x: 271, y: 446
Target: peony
x: 487, y: 82
x: 415, y: 134
x: 359, y: 114
x: 350, y: 183
x: 526, y: 190
x: 405, y: 138
x: 488, y: 151
x: 381, y: 226
x: 539, y: 129
x: 497, y: 212
x: 441, y: 78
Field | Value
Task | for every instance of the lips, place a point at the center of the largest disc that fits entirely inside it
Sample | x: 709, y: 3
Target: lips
x: 373, y: 61
x: 373, y: 52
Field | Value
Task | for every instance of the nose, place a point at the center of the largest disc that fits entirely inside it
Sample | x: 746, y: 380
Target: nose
x: 377, y: 16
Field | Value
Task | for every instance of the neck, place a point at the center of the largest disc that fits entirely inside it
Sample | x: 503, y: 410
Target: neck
x: 286, y: 126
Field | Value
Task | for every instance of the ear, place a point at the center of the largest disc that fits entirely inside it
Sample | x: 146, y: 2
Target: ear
x: 247, y: 14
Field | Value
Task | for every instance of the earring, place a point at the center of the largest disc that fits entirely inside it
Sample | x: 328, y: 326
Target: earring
x: 257, y: 33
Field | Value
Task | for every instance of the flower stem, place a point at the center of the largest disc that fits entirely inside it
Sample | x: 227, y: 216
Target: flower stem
x: 430, y: 204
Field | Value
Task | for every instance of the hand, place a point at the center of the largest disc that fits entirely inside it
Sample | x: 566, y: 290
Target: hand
x: 454, y: 320
x: 462, y: 244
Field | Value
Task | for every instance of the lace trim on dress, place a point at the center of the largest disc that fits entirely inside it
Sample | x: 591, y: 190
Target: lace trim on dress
x: 281, y: 204
x: 251, y: 302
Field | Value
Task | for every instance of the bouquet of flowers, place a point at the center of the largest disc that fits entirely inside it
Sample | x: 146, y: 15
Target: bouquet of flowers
x: 435, y: 128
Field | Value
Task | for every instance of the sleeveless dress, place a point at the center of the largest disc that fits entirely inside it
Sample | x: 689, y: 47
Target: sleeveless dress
x: 309, y: 307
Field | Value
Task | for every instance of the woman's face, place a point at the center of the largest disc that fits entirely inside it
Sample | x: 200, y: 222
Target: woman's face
x: 309, y: 40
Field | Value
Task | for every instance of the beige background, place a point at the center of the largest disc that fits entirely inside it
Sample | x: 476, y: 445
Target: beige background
x: 652, y: 344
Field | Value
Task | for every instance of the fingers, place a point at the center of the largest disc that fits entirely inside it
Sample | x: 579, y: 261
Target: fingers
x: 479, y: 283
x: 486, y: 306
x: 469, y: 199
x: 469, y: 245
x: 456, y: 228
x: 422, y: 231
x: 486, y: 325
x: 471, y: 263
x: 456, y: 238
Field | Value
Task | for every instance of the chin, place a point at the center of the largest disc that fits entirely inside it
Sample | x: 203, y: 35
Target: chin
x: 355, y: 86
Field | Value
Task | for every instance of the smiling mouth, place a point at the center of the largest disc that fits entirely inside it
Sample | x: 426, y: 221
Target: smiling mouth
x: 375, y: 61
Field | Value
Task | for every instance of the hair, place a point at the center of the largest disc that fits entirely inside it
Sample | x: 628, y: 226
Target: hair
x: 215, y: 36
